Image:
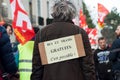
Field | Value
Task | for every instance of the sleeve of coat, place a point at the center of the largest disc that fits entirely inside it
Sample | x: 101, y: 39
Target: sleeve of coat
x: 37, y: 68
x: 95, y: 60
x: 87, y: 62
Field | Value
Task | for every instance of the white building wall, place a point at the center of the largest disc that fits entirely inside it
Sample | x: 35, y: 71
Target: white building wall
x: 39, y: 9
x: 35, y: 10
x: 7, y: 5
x: 44, y: 10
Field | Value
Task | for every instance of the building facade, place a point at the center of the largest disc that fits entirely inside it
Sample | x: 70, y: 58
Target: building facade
x: 38, y: 10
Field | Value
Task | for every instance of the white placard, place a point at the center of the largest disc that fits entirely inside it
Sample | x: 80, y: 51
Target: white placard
x: 61, y: 49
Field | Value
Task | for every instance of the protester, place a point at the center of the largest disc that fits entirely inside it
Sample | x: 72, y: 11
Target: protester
x: 75, y: 69
x: 25, y: 58
x: 8, y: 28
x: 115, y: 55
x: 101, y: 59
x: 7, y: 60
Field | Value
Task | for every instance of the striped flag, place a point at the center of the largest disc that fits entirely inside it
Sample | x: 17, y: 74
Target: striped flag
x: 21, y: 22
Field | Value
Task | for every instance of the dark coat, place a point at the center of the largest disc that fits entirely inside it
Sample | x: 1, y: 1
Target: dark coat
x: 115, y: 56
x: 76, y: 69
x: 6, y: 56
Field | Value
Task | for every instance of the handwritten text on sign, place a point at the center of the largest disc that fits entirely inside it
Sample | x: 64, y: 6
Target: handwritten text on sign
x: 61, y: 49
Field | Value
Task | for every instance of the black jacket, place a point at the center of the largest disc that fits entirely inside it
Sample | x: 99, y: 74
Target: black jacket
x: 101, y: 59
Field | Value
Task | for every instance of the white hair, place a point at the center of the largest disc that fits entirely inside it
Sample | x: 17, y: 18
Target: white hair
x: 64, y: 10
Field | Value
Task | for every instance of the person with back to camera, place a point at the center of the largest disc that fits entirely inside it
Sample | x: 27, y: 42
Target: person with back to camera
x: 7, y: 60
x: 62, y: 26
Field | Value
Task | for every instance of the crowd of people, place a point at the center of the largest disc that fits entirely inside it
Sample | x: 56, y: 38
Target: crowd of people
x: 101, y: 64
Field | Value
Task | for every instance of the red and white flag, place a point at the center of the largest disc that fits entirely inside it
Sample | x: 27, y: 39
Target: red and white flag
x: 93, y: 36
x: 21, y: 22
x: 92, y: 32
x: 102, y: 12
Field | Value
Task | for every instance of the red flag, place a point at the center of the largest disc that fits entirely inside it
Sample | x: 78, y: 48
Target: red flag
x: 93, y: 36
x: 82, y: 19
x: 102, y: 12
x: 21, y: 23
x: 92, y: 32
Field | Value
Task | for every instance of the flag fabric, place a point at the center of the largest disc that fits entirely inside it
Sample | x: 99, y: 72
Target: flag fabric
x: 102, y: 12
x: 93, y: 36
x: 82, y: 20
x: 92, y: 32
x: 21, y: 22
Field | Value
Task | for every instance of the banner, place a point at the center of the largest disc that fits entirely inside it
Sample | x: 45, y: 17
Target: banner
x: 21, y: 22
x: 102, y: 12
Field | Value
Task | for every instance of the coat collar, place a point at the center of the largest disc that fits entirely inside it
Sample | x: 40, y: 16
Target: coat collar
x: 57, y: 20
